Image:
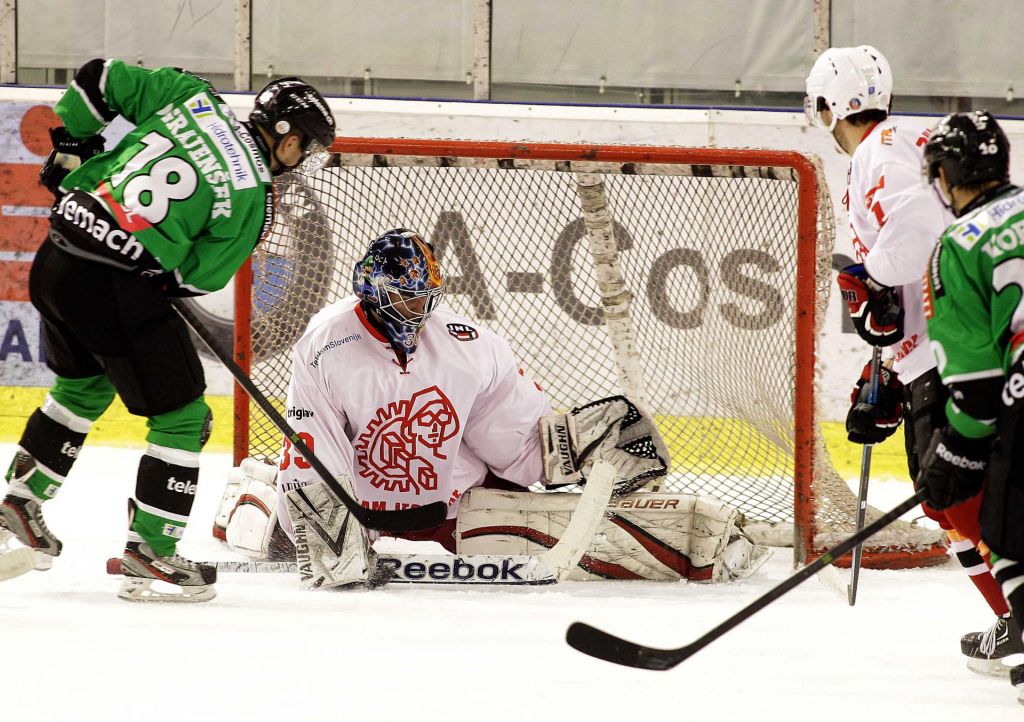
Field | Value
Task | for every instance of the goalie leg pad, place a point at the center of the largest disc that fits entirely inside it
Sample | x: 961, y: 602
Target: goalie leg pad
x: 611, y: 429
x: 643, y: 536
x: 253, y: 517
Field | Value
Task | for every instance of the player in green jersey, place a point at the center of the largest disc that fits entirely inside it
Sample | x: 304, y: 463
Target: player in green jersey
x: 974, y: 303
x: 172, y: 210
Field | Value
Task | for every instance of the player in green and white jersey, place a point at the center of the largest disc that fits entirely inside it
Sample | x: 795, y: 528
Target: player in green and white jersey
x: 974, y: 303
x: 172, y: 210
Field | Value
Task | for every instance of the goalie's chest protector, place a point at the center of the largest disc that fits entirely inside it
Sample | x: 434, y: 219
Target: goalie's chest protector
x: 405, y: 424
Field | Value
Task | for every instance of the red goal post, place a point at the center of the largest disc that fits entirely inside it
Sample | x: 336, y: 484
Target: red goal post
x: 695, y: 279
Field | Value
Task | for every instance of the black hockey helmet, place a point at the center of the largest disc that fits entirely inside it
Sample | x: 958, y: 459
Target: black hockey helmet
x: 969, y: 147
x: 288, y: 105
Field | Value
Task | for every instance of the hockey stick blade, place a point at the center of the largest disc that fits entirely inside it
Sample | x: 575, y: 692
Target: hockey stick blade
x: 421, y: 517
x: 602, y: 645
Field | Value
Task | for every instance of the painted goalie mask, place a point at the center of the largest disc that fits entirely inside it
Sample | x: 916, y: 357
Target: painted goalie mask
x: 399, y: 283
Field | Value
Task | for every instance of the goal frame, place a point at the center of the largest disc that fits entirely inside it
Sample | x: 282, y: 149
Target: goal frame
x: 806, y: 303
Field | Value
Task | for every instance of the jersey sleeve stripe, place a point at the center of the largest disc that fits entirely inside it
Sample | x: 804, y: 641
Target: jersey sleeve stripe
x: 88, y: 83
x: 971, y: 376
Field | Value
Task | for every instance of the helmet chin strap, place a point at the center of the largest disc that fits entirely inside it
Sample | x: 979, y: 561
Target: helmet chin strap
x: 946, y: 202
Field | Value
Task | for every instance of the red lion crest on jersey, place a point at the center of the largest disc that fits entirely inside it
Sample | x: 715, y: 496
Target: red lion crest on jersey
x: 396, y: 450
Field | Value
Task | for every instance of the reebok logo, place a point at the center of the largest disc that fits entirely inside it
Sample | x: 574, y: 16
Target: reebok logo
x: 182, y: 487
x: 961, y: 462
x: 458, y: 570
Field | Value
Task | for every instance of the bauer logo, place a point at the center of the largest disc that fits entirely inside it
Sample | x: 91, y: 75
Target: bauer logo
x: 463, y: 332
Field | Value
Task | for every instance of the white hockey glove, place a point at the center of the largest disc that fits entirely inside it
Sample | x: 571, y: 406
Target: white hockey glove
x: 248, y: 510
x: 331, y: 548
x: 612, y: 430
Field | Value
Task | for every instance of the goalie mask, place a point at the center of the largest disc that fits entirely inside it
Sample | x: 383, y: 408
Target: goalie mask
x: 846, y: 81
x: 290, y: 105
x: 399, y: 283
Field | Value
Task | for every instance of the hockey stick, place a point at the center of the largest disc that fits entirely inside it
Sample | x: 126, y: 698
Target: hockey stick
x: 865, y: 472
x: 423, y: 517
x: 596, y: 643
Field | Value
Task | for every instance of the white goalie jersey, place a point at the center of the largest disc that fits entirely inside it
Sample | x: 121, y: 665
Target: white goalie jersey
x: 896, y: 221
x: 405, y: 437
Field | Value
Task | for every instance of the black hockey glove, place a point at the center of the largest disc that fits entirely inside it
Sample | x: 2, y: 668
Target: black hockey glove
x: 68, y: 153
x: 871, y: 423
x: 954, y: 468
x: 874, y: 309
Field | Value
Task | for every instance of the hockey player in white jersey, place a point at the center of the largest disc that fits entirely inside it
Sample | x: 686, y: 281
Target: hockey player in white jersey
x: 409, y: 403
x: 895, y: 221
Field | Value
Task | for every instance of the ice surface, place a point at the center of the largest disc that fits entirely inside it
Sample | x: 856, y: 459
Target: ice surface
x: 266, y: 650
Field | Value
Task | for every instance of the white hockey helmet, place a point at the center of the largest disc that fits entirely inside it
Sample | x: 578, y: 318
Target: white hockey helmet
x: 850, y: 80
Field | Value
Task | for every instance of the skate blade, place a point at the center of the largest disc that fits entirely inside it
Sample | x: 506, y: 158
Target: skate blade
x: 989, y: 667
x: 136, y: 589
x: 17, y: 562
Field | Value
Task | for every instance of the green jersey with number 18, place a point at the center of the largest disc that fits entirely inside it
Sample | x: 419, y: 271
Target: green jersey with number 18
x: 189, y: 181
x: 974, y: 303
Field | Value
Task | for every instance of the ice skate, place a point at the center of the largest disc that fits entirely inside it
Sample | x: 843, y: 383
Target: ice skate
x: 986, y: 650
x: 22, y: 526
x: 1017, y: 680
x: 149, y: 577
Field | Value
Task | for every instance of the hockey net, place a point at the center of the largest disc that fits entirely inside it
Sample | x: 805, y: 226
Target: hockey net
x: 694, y: 280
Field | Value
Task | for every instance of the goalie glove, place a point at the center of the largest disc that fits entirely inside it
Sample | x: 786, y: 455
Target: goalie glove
x: 871, y: 423
x: 611, y: 429
x: 874, y: 309
x: 68, y: 154
x: 248, y: 510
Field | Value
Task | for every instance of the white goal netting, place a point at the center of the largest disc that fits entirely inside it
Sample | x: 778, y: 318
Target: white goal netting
x: 720, y: 264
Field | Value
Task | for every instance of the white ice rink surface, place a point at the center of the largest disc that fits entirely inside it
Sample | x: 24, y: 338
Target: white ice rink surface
x: 265, y: 650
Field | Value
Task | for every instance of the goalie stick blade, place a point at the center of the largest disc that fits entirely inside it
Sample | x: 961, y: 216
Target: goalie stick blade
x: 415, y: 519
x: 596, y: 643
x: 471, y: 569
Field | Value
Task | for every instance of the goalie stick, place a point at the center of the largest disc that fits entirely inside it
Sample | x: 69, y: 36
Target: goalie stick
x: 518, y: 569
x: 602, y: 645
x: 550, y: 566
x: 422, y: 517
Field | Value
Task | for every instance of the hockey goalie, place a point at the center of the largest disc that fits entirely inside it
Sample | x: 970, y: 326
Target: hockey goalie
x: 408, y: 403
